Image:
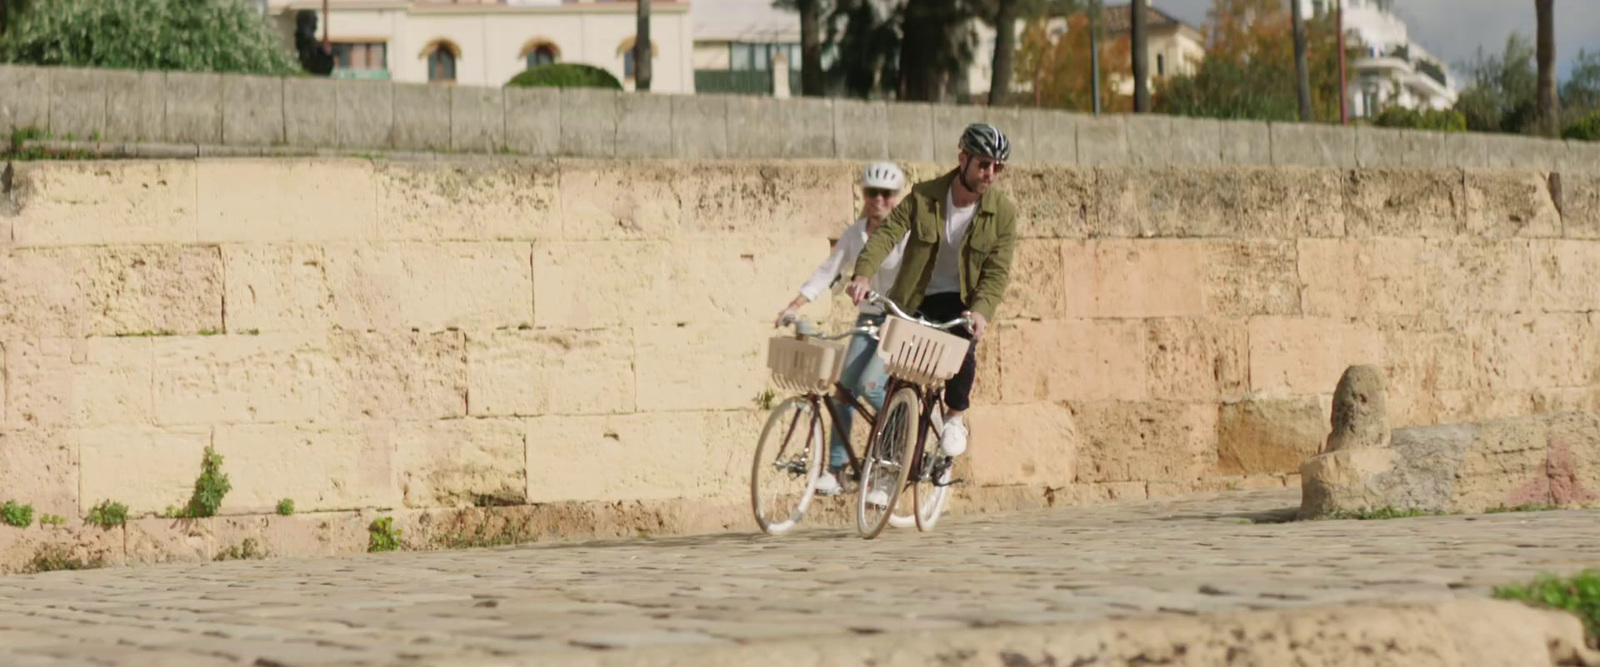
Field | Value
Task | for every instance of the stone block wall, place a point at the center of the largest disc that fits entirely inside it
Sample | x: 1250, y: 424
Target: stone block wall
x: 227, y: 114
x: 359, y: 334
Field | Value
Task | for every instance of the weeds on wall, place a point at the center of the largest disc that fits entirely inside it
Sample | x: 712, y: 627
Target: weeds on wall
x: 14, y: 514
x: 286, y: 507
x: 54, y: 557
x: 107, y: 514
x: 383, y: 536
x: 249, y: 549
x: 209, y: 489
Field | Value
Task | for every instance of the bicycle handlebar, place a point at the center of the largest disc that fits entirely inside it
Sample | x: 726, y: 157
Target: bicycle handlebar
x: 881, y: 300
x: 804, y: 327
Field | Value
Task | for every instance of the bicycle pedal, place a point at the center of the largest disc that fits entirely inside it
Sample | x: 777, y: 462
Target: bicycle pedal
x: 952, y: 482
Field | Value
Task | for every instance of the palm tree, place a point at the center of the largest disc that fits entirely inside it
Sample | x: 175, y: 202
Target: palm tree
x: 1549, y: 105
x: 1141, y: 57
x: 641, y: 49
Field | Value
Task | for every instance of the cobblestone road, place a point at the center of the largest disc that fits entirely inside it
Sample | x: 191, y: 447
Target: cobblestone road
x: 1188, y: 556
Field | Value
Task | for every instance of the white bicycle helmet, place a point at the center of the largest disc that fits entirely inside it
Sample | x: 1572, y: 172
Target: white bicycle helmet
x: 885, y: 175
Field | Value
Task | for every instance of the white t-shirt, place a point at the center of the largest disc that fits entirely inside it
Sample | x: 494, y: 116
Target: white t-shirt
x: 947, y: 265
x: 844, y: 256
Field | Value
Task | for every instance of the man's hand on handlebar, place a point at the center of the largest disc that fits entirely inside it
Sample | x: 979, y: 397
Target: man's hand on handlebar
x: 977, y: 324
x: 858, y: 289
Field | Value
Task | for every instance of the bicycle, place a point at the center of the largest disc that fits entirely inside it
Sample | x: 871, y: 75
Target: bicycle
x: 919, y: 356
x: 807, y: 362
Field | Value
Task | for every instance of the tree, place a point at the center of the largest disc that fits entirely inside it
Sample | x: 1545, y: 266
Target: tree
x: 313, y: 57
x: 642, y: 50
x: 173, y: 35
x: 812, y: 78
x: 1249, y: 71
x: 1302, y: 71
x: 1061, y: 66
x: 1549, y: 105
x: 1502, y: 95
x: 1581, y: 93
x: 936, y: 43
x: 868, y: 43
x: 1005, y: 50
x: 1141, y: 57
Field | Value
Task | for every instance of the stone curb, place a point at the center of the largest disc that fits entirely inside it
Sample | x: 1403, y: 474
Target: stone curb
x: 1457, y: 633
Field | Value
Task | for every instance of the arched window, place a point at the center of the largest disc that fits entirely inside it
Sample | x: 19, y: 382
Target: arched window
x: 540, y: 52
x: 626, y: 51
x: 442, y: 56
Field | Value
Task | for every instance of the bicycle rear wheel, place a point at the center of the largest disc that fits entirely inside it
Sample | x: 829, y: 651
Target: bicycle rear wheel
x: 788, y: 460
x: 887, y: 462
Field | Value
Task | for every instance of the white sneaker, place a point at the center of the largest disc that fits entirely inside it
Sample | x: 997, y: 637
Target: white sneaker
x: 878, y: 498
x: 828, y: 485
x: 954, y: 439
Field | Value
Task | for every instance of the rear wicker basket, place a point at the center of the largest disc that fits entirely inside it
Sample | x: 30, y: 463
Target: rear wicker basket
x: 804, y: 365
x: 920, y: 354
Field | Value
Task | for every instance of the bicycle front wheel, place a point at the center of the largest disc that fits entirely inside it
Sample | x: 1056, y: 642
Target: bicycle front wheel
x: 931, y: 481
x: 783, y: 477
x: 887, y: 463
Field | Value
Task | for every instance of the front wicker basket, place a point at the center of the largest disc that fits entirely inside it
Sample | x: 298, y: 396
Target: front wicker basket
x: 804, y: 365
x: 920, y: 354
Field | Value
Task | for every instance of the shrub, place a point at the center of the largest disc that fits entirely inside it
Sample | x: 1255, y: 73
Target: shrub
x: 565, y: 75
x: 1586, y: 128
x: 1447, y: 120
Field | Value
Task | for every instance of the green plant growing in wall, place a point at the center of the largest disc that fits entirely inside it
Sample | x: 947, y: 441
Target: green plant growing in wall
x: 209, y: 487
x: 383, y: 535
x: 107, y: 514
x: 1579, y: 594
x: 764, y: 399
x: 286, y: 506
x: 51, y: 520
x: 17, y: 515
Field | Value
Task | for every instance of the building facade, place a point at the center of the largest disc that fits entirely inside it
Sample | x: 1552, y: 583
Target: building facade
x: 746, y: 47
x: 486, y: 42
x: 1395, y: 71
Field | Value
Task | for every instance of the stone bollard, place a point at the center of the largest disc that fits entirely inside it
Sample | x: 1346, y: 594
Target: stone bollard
x: 1360, y: 412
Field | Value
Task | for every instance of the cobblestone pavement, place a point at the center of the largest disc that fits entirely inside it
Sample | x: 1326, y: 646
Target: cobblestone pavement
x: 1186, y: 556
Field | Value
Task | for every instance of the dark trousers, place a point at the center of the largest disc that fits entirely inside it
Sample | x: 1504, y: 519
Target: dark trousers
x: 942, y: 308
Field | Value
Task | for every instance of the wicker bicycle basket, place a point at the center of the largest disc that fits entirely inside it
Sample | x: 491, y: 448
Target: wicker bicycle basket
x: 804, y: 365
x: 919, y: 354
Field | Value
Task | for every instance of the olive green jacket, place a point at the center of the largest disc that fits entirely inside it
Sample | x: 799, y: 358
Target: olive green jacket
x: 986, y: 251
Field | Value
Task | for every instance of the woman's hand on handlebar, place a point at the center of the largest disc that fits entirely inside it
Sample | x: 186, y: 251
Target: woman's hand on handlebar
x: 858, y: 290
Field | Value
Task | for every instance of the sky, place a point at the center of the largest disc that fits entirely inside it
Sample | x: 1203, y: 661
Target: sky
x: 1454, y: 29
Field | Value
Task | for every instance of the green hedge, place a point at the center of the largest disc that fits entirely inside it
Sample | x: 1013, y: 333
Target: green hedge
x: 1586, y: 128
x: 565, y: 75
x: 1431, y: 119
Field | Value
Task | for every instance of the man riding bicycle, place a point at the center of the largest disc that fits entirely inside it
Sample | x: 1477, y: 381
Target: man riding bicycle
x: 955, y: 236
x: 862, y: 373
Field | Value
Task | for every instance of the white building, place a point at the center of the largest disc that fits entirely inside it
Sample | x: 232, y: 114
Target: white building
x: 740, y: 46
x: 1396, y: 70
x: 486, y: 42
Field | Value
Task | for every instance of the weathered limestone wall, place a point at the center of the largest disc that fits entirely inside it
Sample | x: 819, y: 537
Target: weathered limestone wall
x: 374, y: 334
x: 187, y: 114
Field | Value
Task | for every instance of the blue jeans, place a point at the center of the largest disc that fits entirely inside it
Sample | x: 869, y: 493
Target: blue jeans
x: 864, y: 376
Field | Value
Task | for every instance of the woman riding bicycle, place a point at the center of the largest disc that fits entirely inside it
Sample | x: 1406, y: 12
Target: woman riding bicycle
x: 882, y: 184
